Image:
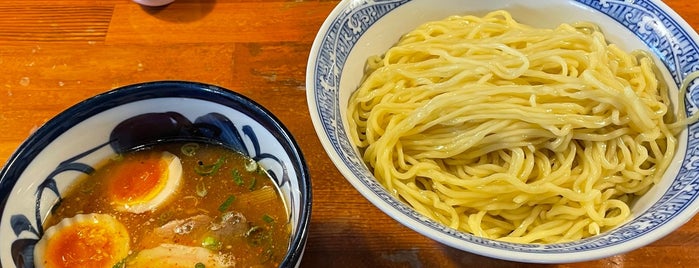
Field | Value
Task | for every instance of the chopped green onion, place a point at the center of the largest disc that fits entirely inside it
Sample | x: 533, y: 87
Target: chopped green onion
x: 237, y: 178
x: 211, y: 243
x: 208, y: 241
x: 201, y: 189
x: 88, y: 186
x: 204, y: 170
x: 226, y: 204
x: 120, y: 264
x: 199, y: 265
x: 267, y: 218
x: 252, y: 183
x: 117, y: 157
x: 267, y: 255
x: 189, y: 149
x: 250, y: 165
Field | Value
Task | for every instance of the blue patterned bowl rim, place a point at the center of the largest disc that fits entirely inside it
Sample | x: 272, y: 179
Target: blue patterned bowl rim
x: 668, y: 37
x: 69, y: 118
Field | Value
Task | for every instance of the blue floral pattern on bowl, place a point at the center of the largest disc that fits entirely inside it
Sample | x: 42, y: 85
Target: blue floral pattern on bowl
x: 237, y: 123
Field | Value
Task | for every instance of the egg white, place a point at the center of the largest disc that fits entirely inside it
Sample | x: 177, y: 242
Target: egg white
x: 178, y: 256
x: 174, y: 180
x: 104, y: 228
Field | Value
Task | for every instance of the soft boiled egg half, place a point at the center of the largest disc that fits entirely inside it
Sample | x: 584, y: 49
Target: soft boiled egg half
x: 144, y: 182
x: 85, y: 240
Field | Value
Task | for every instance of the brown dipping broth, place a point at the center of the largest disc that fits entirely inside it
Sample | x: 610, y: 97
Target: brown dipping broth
x: 216, y: 184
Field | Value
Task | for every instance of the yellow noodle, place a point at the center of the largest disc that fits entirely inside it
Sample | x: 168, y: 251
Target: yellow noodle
x: 512, y: 132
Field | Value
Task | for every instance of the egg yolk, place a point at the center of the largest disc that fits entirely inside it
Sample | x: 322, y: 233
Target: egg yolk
x: 138, y: 179
x: 141, y: 183
x: 87, y: 244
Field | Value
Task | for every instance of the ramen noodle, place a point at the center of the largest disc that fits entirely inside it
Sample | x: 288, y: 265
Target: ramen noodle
x: 511, y: 132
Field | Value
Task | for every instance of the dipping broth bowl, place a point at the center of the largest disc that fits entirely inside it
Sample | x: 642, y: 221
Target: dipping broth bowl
x: 357, y: 29
x: 76, y: 140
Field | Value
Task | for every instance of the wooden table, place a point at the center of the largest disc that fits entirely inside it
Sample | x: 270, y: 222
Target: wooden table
x: 55, y: 53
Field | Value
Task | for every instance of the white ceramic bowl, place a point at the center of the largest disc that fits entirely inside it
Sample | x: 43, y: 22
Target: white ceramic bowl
x: 359, y: 28
x: 154, y: 3
x: 85, y: 134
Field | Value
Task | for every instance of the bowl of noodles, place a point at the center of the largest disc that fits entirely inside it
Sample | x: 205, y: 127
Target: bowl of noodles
x: 157, y: 174
x: 530, y: 131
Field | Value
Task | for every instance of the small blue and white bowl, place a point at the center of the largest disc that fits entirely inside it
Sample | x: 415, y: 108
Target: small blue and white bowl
x: 357, y: 29
x: 79, y: 138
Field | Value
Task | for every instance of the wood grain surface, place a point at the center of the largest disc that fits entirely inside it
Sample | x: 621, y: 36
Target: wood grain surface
x: 55, y: 53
